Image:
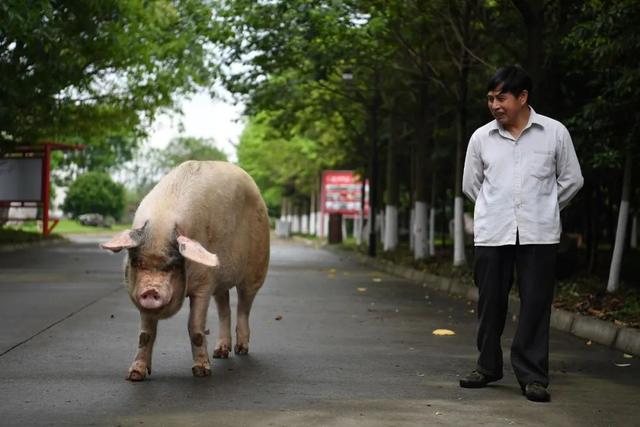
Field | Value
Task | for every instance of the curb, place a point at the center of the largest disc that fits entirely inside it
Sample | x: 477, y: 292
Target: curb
x: 620, y: 338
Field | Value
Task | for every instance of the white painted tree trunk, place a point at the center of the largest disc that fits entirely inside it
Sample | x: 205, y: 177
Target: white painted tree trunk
x: 634, y: 231
x: 459, y: 256
x: 432, y: 231
x: 295, y: 226
x: 283, y: 209
x: 380, y: 226
x: 420, y: 230
x: 343, y: 228
x: 319, y: 223
x: 304, y: 224
x: 312, y: 214
x: 325, y: 225
x: 618, y: 249
x: 366, y: 234
x: 312, y: 223
x: 390, y: 228
x: 621, y: 231
x: 357, y: 228
x: 411, y: 233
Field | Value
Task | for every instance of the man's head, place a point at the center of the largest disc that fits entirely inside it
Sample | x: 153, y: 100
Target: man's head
x: 508, y: 94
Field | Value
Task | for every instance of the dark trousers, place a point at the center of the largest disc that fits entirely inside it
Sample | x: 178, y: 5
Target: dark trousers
x: 535, y: 267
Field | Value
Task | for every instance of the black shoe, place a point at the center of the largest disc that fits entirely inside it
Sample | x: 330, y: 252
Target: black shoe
x: 536, y: 392
x: 477, y: 380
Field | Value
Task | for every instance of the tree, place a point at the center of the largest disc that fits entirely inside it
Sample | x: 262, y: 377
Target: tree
x: 186, y: 148
x: 95, y: 192
x: 91, y: 71
x: 604, y: 39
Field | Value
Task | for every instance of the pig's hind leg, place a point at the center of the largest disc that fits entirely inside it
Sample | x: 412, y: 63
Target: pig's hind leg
x: 245, y: 300
x: 223, y: 345
x: 142, y: 363
x: 197, y: 322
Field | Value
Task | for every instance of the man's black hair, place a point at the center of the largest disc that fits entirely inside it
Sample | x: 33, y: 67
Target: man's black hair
x: 512, y: 78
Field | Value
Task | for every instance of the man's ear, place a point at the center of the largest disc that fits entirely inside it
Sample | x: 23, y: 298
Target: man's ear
x: 524, y: 97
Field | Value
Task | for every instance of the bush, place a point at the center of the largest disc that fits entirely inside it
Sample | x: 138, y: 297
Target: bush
x: 95, y: 192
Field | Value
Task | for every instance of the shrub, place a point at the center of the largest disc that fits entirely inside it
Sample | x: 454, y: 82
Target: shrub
x: 95, y: 192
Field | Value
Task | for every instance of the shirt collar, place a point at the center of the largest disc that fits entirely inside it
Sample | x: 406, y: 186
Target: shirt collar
x: 534, y: 119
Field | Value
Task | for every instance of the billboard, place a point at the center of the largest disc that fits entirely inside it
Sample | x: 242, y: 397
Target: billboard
x: 342, y: 193
x: 21, y: 180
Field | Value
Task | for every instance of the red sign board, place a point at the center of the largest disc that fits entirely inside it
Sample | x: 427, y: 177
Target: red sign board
x: 342, y: 193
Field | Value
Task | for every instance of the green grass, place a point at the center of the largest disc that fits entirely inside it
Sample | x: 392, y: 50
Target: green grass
x: 10, y: 236
x: 30, y: 231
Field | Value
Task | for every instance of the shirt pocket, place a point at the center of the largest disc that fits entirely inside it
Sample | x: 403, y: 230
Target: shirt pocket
x: 542, y: 164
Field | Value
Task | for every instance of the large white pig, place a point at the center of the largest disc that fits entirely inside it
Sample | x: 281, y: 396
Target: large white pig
x: 202, y: 230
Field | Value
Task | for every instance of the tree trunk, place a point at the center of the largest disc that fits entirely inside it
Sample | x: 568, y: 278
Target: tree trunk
x: 621, y: 229
x: 312, y: 212
x: 459, y: 256
x: 594, y: 233
x: 393, y: 189
x: 432, y: 216
x: 634, y: 232
x: 421, y: 208
x: 532, y: 12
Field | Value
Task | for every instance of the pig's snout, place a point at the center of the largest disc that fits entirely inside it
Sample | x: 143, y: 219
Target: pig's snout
x: 151, y: 299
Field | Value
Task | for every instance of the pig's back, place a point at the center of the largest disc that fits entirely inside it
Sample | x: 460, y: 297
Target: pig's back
x: 219, y: 205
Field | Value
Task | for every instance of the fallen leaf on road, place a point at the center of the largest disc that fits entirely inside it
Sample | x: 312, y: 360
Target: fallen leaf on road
x: 589, y: 342
x: 443, y: 332
x: 622, y: 365
x: 332, y: 270
x: 279, y: 317
x: 627, y: 356
x: 377, y: 279
x: 438, y: 413
x: 362, y: 289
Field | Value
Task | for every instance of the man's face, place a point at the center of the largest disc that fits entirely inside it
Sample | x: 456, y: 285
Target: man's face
x: 504, y: 106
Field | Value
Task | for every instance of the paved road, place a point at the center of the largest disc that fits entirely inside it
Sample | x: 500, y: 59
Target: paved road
x: 353, y: 348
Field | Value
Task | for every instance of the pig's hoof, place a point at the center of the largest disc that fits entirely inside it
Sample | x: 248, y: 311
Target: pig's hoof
x: 201, y: 371
x: 135, y: 376
x: 241, y: 349
x: 222, y: 352
x: 137, y: 371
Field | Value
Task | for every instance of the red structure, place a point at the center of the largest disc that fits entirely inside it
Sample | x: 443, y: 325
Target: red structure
x: 25, y: 178
x: 341, y: 193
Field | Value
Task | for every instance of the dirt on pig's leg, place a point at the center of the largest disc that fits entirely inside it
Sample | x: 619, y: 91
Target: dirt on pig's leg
x: 142, y: 363
x: 245, y: 301
x: 223, y: 345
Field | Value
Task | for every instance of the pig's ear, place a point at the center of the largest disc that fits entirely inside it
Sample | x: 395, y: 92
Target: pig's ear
x: 124, y: 240
x: 194, y: 251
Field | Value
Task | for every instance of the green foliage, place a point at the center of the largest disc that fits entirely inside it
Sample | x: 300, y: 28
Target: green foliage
x: 150, y: 164
x: 604, y: 52
x: 74, y: 70
x: 186, y: 148
x: 95, y: 192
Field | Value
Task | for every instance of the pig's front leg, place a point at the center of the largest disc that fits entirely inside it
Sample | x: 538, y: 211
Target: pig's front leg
x: 142, y: 363
x: 197, y: 322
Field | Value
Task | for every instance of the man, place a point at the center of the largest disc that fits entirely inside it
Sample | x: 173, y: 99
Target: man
x: 520, y: 170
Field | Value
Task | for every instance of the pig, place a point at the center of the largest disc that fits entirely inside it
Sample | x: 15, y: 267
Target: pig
x: 202, y: 230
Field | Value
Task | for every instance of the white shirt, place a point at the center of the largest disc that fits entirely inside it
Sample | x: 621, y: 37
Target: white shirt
x: 520, y: 185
